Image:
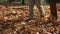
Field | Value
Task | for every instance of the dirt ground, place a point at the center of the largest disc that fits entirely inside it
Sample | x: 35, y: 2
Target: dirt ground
x: 13, y: 21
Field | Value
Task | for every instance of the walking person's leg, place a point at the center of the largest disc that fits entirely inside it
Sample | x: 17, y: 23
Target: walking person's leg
x: 31, y: 5
x: 37, y: 3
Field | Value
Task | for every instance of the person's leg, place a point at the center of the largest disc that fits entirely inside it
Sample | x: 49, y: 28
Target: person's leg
x: 37, y: 3
x: 31, y: 5
x: 23, y: 2
x: 53, y: 9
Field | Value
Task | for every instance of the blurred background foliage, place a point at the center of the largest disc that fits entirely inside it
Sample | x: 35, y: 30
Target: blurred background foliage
x: 43, y: 1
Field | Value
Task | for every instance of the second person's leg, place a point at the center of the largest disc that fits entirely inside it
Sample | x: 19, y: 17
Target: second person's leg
x: 37, y: 3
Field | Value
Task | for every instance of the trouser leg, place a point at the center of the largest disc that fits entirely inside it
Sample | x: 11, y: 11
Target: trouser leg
x: 37, y: 3
x: 31, y: 5
x: 53, y: 9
